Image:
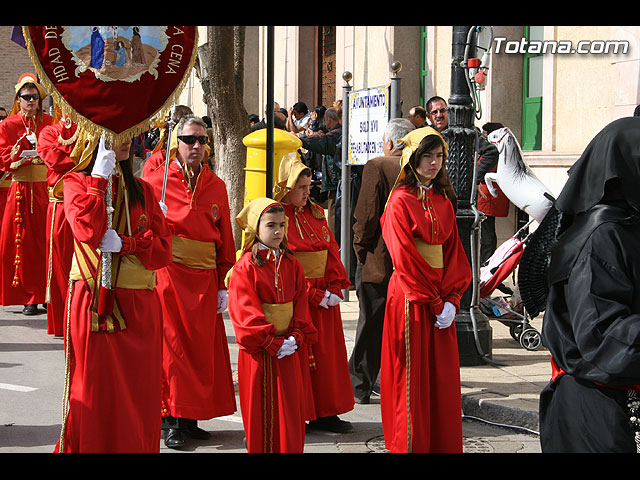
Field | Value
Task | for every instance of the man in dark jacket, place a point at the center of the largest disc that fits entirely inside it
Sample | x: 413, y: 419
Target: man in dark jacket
x: 326, y: 145
x: 374, y: 263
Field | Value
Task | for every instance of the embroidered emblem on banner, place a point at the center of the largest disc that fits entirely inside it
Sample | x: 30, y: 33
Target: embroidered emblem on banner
x: 116, y: 80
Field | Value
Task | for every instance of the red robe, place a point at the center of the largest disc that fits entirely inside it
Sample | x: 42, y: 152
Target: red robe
x: 272, y: 391
x: 23, y: 233
x: 332, y: 390
x: 59, y: 245
x: 115, y: 377
x: 420, y: 372
x: 197, y: 364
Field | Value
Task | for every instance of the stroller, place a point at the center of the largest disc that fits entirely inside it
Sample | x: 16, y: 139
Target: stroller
x: 493, y: 272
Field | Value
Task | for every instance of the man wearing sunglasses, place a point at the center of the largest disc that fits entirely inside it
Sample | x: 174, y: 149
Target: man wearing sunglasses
x: 23, y: 252
x: 437, y: 113
x: 198, y: 383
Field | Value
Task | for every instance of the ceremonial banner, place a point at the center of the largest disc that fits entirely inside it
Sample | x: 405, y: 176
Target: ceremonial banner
x: 116, y: 81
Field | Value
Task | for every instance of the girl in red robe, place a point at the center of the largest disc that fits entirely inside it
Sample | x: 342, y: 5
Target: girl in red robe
x: 114, y: 356
x: 420, y: 372
x: 311, y: 241
x: 269, y: 310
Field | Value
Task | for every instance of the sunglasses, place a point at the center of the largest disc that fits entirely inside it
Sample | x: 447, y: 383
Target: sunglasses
x: 191, y: 139
x: 436, y: 111
x: 30, y: 96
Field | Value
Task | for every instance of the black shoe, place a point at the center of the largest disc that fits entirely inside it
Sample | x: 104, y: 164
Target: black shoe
x: 174, y: 438
x: 364, y: 400
x: 376, y: 389
x: 331, y: 424
x: 30, y: 310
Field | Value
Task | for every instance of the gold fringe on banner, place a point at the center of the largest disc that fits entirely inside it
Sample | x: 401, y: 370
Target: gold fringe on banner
x: 93, y: 129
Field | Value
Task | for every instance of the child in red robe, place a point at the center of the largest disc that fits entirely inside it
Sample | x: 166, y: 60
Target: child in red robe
x: 420, y: 370
x: 269, y: 310
x: 312, y: 243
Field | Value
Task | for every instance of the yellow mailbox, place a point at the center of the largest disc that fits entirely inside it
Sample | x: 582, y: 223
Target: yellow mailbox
x: 284, y: 143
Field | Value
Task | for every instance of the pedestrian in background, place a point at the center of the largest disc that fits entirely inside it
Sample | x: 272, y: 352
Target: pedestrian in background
x: 374, y: 266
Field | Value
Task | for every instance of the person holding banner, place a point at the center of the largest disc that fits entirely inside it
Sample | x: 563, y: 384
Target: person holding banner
x: 420, y: 369
x: 114, y: 349
x: 269, y: 310
x: 313, y: 244
x: 198, y: 382
x: 55, y: 146
x: 23, y: 232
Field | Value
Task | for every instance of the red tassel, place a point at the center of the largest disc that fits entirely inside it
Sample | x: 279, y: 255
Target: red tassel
x: 106, y: 300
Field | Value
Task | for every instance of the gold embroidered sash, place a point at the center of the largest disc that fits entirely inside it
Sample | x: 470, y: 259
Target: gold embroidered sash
x: 194, y: 253
x: 313, y: 263
x: 127, y: 271
x: 30, y: 173
x: 278, y: 314
x: 431, y: 253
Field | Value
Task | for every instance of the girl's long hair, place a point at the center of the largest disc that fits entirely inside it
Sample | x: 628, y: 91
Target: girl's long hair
x: 255, y: 248
x: 133, y: 186
x: 442, y: 182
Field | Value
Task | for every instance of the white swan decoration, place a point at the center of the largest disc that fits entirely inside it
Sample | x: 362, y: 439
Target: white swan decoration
x: 516, y: 180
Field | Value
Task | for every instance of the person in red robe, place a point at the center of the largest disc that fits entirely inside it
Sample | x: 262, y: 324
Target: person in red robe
x: 198, y: 382
x: 269, y: 309
x: 55, y: 147
x: 313, y: 244
x: 113, y: 335
x: 23, y: 233
x: 420, y: 371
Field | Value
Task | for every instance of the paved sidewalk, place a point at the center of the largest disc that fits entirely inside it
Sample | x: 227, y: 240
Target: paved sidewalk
x: 506, y: 392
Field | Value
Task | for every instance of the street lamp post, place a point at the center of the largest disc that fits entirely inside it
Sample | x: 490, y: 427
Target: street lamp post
x: 460, y: 136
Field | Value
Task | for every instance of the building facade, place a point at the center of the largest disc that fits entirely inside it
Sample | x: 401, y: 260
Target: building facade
x: 555, y: 87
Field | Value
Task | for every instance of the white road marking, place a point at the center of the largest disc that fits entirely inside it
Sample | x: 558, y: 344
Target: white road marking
x: 16, y: 388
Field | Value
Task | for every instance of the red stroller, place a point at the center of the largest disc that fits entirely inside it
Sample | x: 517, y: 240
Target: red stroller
x: 493, y: 272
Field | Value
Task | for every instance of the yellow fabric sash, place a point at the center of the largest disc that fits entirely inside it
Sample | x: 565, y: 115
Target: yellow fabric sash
x: 127, y: 271
x: 30, y: 173
x: 313, y: 263
x: 278, y: 314
x: 194, y: 253
x: 431, y: 253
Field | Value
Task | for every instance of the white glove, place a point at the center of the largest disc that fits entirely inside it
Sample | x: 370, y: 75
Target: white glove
x: 333, y: 300
x: 222, y: 300
x: 105, y: 161
x: 163, y: 207
x: 111, y: 242
x: 445, y: 319
x: 324, y: 303
x: 288, y: 347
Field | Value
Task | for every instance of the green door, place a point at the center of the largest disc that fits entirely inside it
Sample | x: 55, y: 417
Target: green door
x: 532, y: 94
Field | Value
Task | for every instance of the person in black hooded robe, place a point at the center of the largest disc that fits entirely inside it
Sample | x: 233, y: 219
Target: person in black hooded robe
x: 591, y: 324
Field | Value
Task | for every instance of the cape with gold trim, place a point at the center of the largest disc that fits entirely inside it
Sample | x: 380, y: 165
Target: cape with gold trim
x: 113, y: 81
